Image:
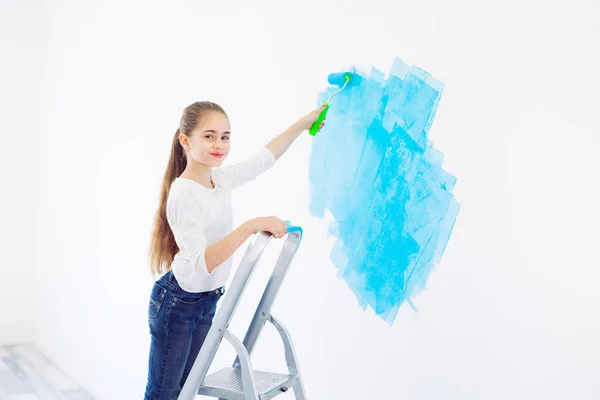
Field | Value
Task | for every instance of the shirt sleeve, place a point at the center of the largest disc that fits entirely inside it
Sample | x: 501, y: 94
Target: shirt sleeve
x: 188, y: 221
x: 242, y: 172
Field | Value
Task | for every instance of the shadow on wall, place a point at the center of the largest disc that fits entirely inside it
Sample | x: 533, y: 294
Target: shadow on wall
x: 374, y: 169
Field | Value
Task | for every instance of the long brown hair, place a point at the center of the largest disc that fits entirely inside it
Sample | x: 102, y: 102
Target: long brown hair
x: 162, y: 245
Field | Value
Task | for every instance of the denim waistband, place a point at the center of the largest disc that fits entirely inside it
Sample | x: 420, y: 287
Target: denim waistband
x: 169, y: 278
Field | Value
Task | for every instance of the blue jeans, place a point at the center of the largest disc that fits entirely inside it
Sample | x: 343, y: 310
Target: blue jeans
x: 179, y: 322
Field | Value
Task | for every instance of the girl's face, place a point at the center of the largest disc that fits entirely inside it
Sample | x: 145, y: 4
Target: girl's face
x: 209, y: 142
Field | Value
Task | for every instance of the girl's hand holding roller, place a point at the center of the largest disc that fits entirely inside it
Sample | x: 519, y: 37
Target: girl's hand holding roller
x: 306, y: 121
x: 282, y: 142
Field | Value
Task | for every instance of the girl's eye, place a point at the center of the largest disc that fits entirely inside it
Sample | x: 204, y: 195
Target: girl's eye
x: 211, y: 136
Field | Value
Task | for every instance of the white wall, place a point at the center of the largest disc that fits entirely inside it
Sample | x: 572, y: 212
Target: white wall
x: 512, y: 311
x: 21, y: 104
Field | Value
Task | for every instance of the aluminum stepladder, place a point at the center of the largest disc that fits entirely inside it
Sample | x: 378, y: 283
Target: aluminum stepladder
x: 241, y: 382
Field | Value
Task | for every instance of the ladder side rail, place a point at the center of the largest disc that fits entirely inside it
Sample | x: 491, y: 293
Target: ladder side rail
x: 263, y: 309
x: 223, y: 317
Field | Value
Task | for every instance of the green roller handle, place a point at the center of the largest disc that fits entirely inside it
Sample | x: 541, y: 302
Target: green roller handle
x: 315, y: 127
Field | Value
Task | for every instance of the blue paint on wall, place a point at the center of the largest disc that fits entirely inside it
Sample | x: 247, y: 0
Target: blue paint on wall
x: 375, y: 170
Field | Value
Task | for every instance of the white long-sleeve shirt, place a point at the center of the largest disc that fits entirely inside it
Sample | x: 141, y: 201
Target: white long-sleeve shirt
x: 199, y: 217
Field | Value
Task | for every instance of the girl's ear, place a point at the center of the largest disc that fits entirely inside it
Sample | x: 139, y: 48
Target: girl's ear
x: 183, y: 140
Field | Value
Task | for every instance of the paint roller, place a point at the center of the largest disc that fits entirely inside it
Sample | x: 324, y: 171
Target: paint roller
x: 337, y: 79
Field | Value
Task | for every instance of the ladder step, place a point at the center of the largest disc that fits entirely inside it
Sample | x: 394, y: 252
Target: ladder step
x: 227, y: 384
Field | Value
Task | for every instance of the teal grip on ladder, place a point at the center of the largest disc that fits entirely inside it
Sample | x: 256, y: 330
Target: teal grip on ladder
x: 292, y: 228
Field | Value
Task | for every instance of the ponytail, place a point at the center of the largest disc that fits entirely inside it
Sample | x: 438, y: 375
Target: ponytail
x: 163, y: 247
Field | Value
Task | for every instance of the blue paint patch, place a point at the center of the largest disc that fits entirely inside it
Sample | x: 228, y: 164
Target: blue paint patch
x: 373, y: 167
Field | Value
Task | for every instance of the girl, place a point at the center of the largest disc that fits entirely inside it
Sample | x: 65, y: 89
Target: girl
x: 193, y: 237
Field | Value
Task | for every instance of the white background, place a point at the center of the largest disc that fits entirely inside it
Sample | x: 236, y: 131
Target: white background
x: 91, y: 94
